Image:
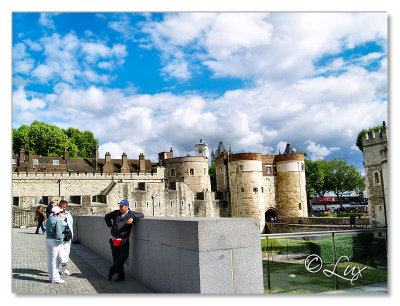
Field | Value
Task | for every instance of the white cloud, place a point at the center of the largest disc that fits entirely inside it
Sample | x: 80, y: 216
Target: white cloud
x: 318, y: 151
x: 177, y: 69
x: 22, y: 102
x: 263, y: 46
x: 69, y: 59
x: 46, y: 20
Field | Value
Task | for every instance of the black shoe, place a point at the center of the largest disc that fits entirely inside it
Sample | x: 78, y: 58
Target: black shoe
x: 119, y: 279
x: 110, y: 274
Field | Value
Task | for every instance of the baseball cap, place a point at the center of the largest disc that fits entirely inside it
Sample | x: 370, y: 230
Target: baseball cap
x: 55, y: 210
x: 123, y: 202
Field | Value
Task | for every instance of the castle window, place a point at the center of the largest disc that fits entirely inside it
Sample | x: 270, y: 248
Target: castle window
x: 255, y: 189
x: 267, y: 179
x: 170, y: 203
x: 205, y: 171
x: 240, y: 168
x: 299, y: 206
x: 35, y: 161
x: 191, y: 171
x: 221, y: 170
x: 142, y: 186
x: 159, y: 204
x: 135, y: 204
x: 380, y: 208
x: 16, y: 201
x: 182, y: 203
x: 56, y: 162
x: 14, y: 161
x: 172, y: 172
x: 302, y: 166
x: 242, y: 189
x: 74, y: 199
x: 147, y: 204
x: 376, y: 178
x: 269, y: 169
x: 262, y: 189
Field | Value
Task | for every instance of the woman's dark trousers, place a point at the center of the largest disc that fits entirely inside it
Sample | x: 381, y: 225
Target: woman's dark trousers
x: 40, y: 225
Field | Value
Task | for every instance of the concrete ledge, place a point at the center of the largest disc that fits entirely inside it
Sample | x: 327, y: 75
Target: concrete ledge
x: 186, y: 255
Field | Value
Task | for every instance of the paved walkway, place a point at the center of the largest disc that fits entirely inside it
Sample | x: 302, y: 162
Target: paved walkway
x: 89, y: 271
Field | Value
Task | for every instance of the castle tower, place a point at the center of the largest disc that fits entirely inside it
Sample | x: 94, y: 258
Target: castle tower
x: 375, y: 146
x: 245, y: 179
x: 291, y: 183
x: 201, y: 149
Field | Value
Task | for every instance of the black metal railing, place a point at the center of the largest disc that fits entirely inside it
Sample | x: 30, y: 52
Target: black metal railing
x: 23, y: 217
x: 316, y: 262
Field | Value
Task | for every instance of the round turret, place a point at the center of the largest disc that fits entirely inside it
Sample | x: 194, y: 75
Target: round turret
x: 193, y: 170
x: 291, y: 185
x: 245, y: 180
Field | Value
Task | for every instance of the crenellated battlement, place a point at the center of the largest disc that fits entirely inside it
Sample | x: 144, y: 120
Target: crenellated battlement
x: 89, y: 175
x: 374, y: 137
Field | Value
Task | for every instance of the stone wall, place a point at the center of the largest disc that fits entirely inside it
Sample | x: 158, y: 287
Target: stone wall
x: 247, y: 189
x: 186, y: 255
x: 199, y: 181
x: 291, y: 194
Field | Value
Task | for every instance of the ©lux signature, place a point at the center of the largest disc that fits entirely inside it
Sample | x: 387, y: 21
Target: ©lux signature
x: 314, y: 263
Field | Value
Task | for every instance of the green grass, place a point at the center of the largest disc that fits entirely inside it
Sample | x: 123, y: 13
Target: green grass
x: 306, y: 282
x: 362, y: 250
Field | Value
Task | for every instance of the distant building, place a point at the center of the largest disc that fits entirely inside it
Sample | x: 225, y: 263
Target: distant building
x: 248, y: 184
x: 375, y: 150
x: 262, y: 186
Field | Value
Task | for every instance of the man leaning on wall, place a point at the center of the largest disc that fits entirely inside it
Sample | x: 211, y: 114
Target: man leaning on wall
x: 120, y: 222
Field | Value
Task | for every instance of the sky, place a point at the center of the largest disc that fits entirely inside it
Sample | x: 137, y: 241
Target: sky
x: 145, y: 82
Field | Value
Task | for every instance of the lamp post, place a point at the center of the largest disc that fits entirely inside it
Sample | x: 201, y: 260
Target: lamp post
x: 152, y: 198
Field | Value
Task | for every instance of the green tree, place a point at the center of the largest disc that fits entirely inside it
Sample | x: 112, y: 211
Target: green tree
x: 212, y: 172
x: 84, y: 141
x: 316, y: 178
x: 49, y: 140
x: 20, y: 137
x: 343, y: 178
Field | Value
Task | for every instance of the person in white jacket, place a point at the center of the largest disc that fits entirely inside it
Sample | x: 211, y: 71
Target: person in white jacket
x: 66, y: 245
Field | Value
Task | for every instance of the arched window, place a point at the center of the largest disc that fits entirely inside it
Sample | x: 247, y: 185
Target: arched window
x: 376, y: 178
x: 299, y: 206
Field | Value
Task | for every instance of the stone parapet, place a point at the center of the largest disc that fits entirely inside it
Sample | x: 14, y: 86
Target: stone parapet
x: 186, y: 255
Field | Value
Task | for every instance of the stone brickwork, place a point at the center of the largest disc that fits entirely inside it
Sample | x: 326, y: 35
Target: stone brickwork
x: 375, y: 150
x: 246, y: 189
x: 148, y: 187
x: 291, y: 189
x: 257, y: 183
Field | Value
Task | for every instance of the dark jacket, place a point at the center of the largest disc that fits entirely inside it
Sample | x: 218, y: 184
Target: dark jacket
x: 48, y: 210
x: 120, y: 229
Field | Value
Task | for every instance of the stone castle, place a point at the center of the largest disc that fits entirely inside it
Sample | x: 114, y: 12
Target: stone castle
x: 375, y: 150
x: 248, y: 184
x: 262, y: 186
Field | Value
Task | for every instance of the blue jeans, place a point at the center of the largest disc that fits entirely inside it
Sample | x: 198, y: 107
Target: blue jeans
x: 40, y: 225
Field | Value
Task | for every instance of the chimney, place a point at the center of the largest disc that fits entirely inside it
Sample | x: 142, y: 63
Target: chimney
x: 107, y: 157
x: 65, y: 153
x: 124, y: 166
x: 142, y: 164
x: 22, y: 155
x: 94, y: 157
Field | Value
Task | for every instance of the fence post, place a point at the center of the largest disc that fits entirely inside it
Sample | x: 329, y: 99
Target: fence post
x: 334, y: 259
x: 268, y: 269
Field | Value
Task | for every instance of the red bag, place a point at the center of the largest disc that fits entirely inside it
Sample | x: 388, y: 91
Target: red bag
x: 117, y: 242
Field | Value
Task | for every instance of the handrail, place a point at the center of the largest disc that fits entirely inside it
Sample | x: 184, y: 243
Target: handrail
x: 322, y: 233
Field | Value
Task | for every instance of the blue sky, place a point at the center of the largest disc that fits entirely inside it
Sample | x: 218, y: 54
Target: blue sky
x: 148, y: 82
